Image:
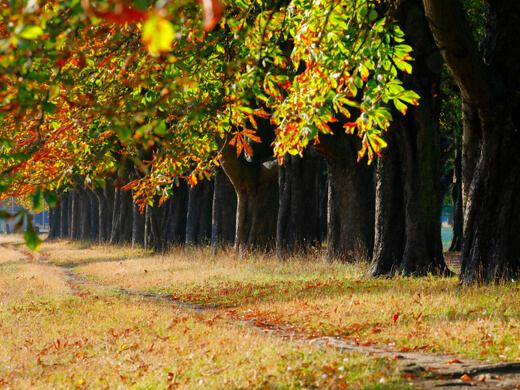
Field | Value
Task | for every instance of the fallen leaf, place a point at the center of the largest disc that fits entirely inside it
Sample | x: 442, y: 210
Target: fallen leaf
x: 455, y: 361
x: 466, y: 378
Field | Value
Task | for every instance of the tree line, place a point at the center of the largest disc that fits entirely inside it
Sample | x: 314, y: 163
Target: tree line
x: 282, y: 126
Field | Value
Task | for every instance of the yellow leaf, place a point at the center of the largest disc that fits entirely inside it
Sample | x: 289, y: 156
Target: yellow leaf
x: 158, y: 35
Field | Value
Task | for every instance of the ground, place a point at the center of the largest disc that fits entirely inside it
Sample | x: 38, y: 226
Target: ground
x: 76, y: 315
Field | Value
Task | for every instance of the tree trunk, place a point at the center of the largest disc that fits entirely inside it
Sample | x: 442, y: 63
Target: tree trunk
x: 65, y: 201
x: 350, y: 210
x: 138, y: 226
x: 350, y: 204
x: 414, y: 165
x: 456, y: 196
x: 298, y: 225
x: 86, y: 214
x: 105, y: 198
x: 76, y: 213
x: 491, y: 250
x: 122, y: 217
x: 94, y: 219
x: 54, y: 222
x: 389, y: 212
x: 198, y: 225
x: 256, y: 185
x: 489, y: 85
x: 154, y: 228
x: 224, y: 212
x: 175, y: 232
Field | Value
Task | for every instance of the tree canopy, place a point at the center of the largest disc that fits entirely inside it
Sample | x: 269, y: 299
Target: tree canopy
x: 90, y: 85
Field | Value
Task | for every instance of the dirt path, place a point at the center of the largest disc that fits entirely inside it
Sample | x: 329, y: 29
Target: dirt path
x: 426, y: 371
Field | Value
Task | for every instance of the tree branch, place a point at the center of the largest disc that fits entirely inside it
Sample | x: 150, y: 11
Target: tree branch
x: 453, y: 36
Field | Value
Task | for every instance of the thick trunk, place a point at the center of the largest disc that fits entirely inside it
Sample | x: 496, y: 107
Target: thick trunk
x: 224, y: 212
x: 491, y: 250
x: 256, y: 185
x: 389, y: 212
x: 298, y: 225
x: 472, y: 134
x: 422, y: 196
x: 198, y: 225
x: 154, y: 237
x: 350, y: 220
x: 257, y: 210
x: 489, y: 84
x: 413, y: 166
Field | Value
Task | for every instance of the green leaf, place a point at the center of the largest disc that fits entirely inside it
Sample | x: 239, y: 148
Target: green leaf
x: 37, y: 201
x: 124, y: 132
x: 400, y: 106
x: 31, y: 238
x: 30, y: 32
x: 160, y: 129
x: 49, y: 108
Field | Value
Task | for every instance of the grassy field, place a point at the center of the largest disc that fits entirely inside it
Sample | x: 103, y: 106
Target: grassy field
x: 54, y: 334
x: 429, y: 314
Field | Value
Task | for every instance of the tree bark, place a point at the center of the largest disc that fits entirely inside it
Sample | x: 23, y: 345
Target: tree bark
x: 138, y: 226
x: 256, y: 186
x: 298, y: 225
x: 489, y: 84
x: 456, y: 195
x: 122, y: 217
x: 94, y: 219
x: 413, y: 166
x: 65, y: 201
x: 198, y: 225
x: 76, y: 212
x: 105, y: 211
x: 86, y: 214
x: 54, y: 222
x: 224, y: 212
x: 175, y: 231
x: 350, y: 205
x: 389, y: 212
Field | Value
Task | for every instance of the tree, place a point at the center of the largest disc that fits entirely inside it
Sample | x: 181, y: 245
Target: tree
x: 488, y: 80
x: 409, y: 197
x: 187, y: 90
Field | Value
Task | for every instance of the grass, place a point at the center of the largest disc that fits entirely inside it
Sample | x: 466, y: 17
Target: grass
x: 55, y: 336
x: 430, y: 314
x: 71, y: 254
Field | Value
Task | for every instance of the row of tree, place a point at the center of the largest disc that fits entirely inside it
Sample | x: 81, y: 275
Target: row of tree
x: 389, y: 213
x: 283, y: 104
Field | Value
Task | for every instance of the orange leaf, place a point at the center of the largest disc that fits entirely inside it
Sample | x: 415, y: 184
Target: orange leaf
x: 455, y: 361
x: 395, y: 317
x: 261, y: 113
